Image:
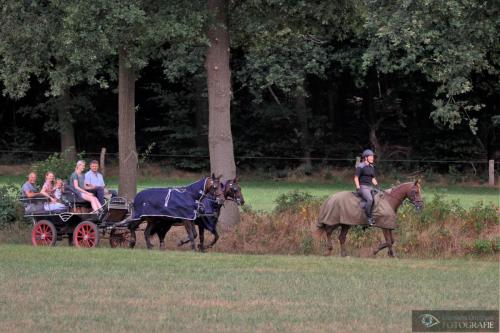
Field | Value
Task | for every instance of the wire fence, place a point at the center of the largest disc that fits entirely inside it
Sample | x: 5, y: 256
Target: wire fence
x: 21, y: 156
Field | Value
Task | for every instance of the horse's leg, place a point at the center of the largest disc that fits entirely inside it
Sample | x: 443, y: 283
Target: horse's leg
x: 187, y: 239
x: 383, y: 245
x: 201, y: 232
x: 214, y: 240
x: 391, y: 252
x: 189, y: 225
x: 329, y: 230
x: 342, y: 238
x: 148, y: 232
x: 161, y: 235
x: 132, y: 240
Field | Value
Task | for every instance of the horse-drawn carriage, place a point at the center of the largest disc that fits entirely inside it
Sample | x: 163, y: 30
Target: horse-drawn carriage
x: 76, y: 221
x: 195, y: 204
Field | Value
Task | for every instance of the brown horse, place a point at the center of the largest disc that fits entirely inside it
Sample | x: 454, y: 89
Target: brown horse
x: 208, y: 220
x: 212, y: 188
x: 342, y: 210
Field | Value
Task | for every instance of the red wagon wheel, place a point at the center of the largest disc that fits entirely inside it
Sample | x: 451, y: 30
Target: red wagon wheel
x: 44, y: 234
x: 86, y: 234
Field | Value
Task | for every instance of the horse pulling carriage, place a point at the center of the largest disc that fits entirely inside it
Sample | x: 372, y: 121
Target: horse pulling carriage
x: 161, y: 208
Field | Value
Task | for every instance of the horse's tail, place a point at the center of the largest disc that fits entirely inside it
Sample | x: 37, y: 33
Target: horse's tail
x: 319, y: 230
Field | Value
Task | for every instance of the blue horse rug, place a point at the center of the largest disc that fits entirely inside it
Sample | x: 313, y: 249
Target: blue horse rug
x: 208, y: 214
x: 177, y: 202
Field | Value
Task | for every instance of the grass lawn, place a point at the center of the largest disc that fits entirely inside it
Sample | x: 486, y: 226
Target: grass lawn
x: 64, y: 289
x: 260, y: 195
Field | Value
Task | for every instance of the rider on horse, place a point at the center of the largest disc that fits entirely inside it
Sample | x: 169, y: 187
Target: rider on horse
x: 364, y: 178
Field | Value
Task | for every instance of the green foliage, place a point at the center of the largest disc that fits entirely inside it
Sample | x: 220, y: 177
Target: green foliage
x: 293, y: 200
x: 69, y: 42
x: 483, y: 246
x: 10, y: 209
x: 481, y: 215
x: 57, y: 164
x: 286, y: 41
x: 447, y: 40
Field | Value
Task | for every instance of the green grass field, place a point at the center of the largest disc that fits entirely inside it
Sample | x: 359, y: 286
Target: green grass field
x: 114, y: 290
x: 260, y: 195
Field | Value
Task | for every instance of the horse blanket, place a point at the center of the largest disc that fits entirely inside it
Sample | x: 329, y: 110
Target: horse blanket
x: 177, y: 202
x: 346, y: 208
x: 209, y: 214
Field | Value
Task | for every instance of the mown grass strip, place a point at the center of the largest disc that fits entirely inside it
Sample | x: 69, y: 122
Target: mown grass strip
x: 64, y: 289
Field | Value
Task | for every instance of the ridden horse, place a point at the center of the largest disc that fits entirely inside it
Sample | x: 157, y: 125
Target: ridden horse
x: 212, y: 187
x: 232, y: 192
x: 394, y: 197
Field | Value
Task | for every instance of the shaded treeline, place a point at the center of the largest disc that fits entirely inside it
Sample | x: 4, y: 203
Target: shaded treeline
x: 362, y: 93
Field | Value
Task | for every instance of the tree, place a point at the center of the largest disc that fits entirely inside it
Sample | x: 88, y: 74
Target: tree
x: 67, y: 42
x: 136, y: 32
x: 284, y: 43
x: 30, y: 47
x: 220, y: 139
x: 447, y: 40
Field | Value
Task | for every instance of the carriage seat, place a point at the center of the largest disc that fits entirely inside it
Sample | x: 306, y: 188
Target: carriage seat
x: 71, y: 198
x: 36, y: 206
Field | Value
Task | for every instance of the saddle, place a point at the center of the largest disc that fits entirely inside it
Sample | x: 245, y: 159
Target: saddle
x: 362, y: 201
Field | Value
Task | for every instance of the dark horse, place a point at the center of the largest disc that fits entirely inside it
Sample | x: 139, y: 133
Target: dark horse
x: 342, y: 209
x: 206, y: 220
x: 192, y: 194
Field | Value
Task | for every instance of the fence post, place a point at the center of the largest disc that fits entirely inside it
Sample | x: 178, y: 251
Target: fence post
x: 102, y: 161
x: 358, y: 160
x: 491, y: 172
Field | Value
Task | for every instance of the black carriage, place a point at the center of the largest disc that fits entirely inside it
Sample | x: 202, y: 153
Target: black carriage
x: 77, y: 222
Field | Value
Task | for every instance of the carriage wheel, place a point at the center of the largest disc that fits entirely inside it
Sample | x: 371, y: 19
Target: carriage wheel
x: 86, y: 234
x: 44, y: 234
x: 119, y: 238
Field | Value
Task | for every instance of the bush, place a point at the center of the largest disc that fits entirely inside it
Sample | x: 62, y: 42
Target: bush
x: 10, y: 208
x: 292, y: 200
x: 57, y: 164
x: 481, y: 246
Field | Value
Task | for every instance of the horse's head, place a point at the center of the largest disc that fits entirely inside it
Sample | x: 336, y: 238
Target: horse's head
x: 213, y: 188
x: 414, y: 195
x: 232, y: 191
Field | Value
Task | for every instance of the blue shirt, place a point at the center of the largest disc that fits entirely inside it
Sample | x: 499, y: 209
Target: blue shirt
x: 28, y: 187
x: 94, y: 178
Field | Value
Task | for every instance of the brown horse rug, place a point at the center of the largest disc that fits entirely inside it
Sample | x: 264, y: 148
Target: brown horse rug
x: 346, y: 208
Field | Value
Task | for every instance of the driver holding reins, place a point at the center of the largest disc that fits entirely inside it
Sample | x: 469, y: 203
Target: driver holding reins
x: 364, y: 178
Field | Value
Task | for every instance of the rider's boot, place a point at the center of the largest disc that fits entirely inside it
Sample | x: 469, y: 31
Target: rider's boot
x: 371, y: 221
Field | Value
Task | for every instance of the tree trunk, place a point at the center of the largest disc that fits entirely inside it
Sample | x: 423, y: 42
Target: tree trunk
x: 66, y: 129
x: 126, y: 130
x: 303, y: 116
x: 373, y: 122
x: 220, y: 139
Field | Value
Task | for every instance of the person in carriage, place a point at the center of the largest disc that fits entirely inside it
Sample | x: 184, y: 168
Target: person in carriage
x: 94, y: 183
x: 77, y: 183
x: 52, y: 190
x: 29, y: 188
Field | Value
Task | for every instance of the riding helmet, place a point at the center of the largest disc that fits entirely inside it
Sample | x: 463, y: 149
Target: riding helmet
x: 368, y: 152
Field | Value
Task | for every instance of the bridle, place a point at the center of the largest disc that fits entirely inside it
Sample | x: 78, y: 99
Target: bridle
x: 231, y: 189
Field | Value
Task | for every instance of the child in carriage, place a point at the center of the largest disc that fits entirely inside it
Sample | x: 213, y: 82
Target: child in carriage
x: 53, y: 192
